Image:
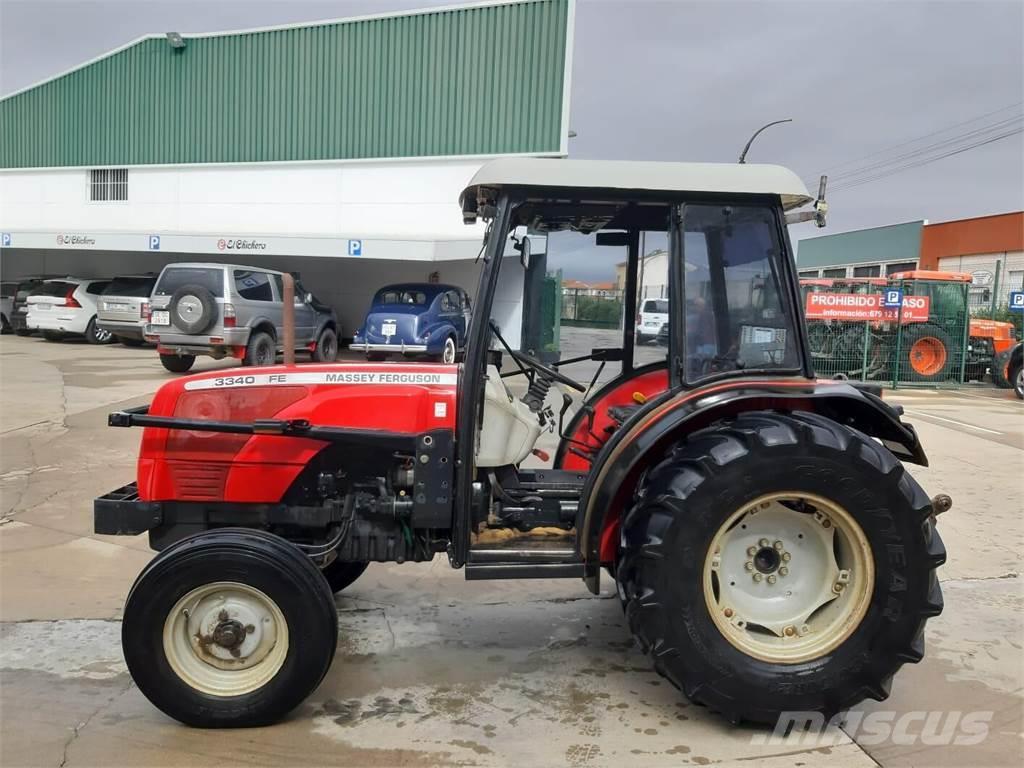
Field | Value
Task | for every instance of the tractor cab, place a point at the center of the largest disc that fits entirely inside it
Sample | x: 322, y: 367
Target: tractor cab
x: 759, y: 524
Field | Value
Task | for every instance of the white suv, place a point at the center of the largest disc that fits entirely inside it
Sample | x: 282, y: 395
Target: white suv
x: 652, y: 315
x: 66, y: 306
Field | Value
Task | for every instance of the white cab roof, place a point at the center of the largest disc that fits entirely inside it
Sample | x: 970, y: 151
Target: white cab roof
x: 649, y: 176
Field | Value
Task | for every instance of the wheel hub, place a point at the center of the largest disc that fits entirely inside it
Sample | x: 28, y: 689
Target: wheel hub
x: 225, y: 638
x: 788, y: 577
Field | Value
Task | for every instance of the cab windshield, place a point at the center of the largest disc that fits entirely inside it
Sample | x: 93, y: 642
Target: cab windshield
x: 736, y: 316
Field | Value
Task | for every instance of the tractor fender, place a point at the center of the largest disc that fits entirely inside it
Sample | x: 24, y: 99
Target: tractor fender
x: 644, y: 439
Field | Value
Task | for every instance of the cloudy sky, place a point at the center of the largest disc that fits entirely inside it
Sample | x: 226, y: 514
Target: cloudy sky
x: 871, y: 86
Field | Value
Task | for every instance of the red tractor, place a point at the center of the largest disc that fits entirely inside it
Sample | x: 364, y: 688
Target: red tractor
x: 770, y: 550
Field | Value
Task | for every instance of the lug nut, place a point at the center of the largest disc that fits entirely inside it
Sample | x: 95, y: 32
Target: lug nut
x: 763, y: 542
x: 789, y: 631
x: 751, y: 551
x: 838, y: 587
x: 757, y: 577
x: 728, y: 613
x: 786, y: 557
x: 783, y: 571
x: 826, y: 523
x: 749, y: 566
x: 772, y: 579
x: 778, y: 546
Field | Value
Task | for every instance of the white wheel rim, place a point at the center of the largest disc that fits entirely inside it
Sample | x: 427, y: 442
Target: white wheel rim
x: 788, y: 577
x: 225, y: 639
x: 449, y: 351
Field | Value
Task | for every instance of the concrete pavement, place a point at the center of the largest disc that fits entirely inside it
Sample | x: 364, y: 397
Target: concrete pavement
x: 432, y: 670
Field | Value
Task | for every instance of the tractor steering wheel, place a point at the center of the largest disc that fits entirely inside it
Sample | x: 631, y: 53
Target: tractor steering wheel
x: 531, y: 362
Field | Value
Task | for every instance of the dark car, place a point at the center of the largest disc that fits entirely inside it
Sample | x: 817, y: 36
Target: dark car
x: 415, y: 319
x: 19, y: 303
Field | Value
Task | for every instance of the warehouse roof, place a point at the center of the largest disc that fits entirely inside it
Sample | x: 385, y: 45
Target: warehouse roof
x: 440, y: 82
x: 652, y: 176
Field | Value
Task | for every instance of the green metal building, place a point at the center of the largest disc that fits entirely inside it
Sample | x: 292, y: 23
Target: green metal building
x: 874, y: 252
x: 335, y: 148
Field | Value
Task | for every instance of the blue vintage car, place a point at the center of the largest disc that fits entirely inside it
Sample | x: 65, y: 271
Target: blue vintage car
x: 415, y: 319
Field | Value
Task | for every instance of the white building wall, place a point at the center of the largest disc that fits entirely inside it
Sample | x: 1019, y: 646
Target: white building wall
x: 983, y: 267
x: 386, y: 199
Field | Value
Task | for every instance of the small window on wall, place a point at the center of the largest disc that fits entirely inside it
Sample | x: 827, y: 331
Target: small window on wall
x: 903, y: 266
x: 809, y: 273
x: 834, y: 272
x: 254, y: 286
x: 872, y: 271
x: 108, y: 184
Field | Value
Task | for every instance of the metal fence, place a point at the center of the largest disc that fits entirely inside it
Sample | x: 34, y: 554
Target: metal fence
x: 592, y: 308
x: 861, y: 330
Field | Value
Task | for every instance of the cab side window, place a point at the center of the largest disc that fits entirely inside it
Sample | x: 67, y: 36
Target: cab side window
x: 254, y: 286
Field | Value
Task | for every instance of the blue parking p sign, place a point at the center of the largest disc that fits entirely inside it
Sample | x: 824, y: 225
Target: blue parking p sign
x: 1017, y: 301
x: 355, y: 247
x: 6, y: 239
x: 893, y: 298
x: 154, y: 242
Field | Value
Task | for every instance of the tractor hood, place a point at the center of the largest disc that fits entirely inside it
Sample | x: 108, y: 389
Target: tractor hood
x: 398, y: 398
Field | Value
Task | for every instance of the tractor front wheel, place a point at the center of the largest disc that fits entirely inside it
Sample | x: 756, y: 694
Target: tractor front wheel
x: 777, y: 563
x: 229, y: 628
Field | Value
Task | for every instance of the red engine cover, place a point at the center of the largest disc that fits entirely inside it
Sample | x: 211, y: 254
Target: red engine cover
x: 214, y: 466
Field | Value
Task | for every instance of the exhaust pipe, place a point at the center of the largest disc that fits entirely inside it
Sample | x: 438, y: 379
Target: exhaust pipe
x: 289, y: 318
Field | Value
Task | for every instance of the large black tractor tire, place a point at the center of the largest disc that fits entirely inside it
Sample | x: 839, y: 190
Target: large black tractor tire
x: 226, y: 582
x: 326, y: 347
x: 261, y: 350
x: 1001, y: 369
x: 686, y: 500
x: 342, y: 574
x: 928, y: 354
x: 193, y: 309
x: 177, y: 363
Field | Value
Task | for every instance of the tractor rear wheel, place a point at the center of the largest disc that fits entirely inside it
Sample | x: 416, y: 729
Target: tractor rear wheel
x: 342, y: 574
x: 229, y: 628
x: 1001, y: 369
x: 928, y: 353
x: 779, y: 562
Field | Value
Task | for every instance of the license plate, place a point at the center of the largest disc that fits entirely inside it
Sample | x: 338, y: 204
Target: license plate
x: 114, y: 306
x: 160, y: 318
x: 389, y: 328
x: 43, y: 307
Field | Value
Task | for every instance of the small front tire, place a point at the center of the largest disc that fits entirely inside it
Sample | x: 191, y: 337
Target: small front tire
x: 229, y: 628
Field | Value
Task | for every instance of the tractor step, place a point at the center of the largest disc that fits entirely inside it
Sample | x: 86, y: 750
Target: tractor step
x: 482, y: 571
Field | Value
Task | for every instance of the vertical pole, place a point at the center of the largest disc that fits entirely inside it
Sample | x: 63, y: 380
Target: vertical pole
x: 899, y: 338
x: 288, y: 312
x: 633, y: 255
x: 995, y: 293
x: 864, y: 361
x: 965, y: 337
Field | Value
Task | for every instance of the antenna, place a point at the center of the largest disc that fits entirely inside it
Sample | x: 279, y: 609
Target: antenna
x: 743, y: 154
